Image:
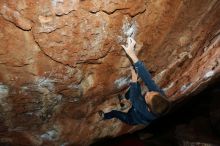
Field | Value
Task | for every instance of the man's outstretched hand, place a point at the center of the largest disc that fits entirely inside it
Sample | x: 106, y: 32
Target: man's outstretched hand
x: 130, y: 46
x: 129, y: 49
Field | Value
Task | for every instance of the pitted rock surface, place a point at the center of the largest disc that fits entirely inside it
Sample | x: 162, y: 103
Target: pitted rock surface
x: 61, y: 61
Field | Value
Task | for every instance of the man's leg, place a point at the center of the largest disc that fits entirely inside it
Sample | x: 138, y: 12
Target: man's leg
x: 124, y: 117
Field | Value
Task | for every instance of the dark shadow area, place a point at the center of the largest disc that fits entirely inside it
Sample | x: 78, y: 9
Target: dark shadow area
x: 196, y: 122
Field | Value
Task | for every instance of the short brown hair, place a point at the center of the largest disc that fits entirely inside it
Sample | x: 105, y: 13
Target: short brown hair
x: 159, y: 105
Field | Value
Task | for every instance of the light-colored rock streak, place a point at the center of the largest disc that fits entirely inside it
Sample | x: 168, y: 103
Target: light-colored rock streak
x: 209, y: 74
x: 122, y: 82
x: 129, y: 28
x: 4, y: 91
x: 50, y: 135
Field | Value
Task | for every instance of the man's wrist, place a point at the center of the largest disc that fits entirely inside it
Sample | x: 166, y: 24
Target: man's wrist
x: 134, y: 58
x: 131, y: 54
x: 134, y: 81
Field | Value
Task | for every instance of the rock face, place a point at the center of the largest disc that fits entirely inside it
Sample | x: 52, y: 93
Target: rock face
x: 61, y: 61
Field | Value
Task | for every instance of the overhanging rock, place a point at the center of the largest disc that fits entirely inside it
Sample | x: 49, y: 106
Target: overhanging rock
x: 61, y: 61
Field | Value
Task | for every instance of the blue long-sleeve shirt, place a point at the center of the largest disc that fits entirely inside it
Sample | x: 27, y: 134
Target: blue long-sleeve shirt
x: 146, y: 77
x: 138, y: 102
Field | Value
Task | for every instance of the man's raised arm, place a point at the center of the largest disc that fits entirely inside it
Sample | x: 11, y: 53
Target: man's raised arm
x: 140, y: 68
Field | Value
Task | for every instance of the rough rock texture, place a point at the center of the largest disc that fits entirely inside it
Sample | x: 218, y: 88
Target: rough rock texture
x: 61, y: 61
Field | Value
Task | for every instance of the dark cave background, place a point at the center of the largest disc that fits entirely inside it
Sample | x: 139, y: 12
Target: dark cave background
x: 195, y: 122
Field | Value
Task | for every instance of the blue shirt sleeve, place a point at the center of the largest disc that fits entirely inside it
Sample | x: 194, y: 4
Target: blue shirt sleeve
x: 136, y: 98
x: 146, y: 77
x: 135, y: 89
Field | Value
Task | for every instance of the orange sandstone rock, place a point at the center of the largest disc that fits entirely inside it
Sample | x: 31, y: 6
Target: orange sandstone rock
x: 61, y: 61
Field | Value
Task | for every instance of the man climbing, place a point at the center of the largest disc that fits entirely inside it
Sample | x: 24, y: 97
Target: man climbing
x: 145, y: 108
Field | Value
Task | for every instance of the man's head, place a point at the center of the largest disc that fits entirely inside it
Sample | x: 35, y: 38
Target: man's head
x: 157, y: 103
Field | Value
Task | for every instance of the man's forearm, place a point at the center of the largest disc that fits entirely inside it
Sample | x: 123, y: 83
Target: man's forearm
x: 133, y: 57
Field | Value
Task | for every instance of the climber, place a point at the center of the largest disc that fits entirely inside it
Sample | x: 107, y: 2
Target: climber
x: 145, y: 108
